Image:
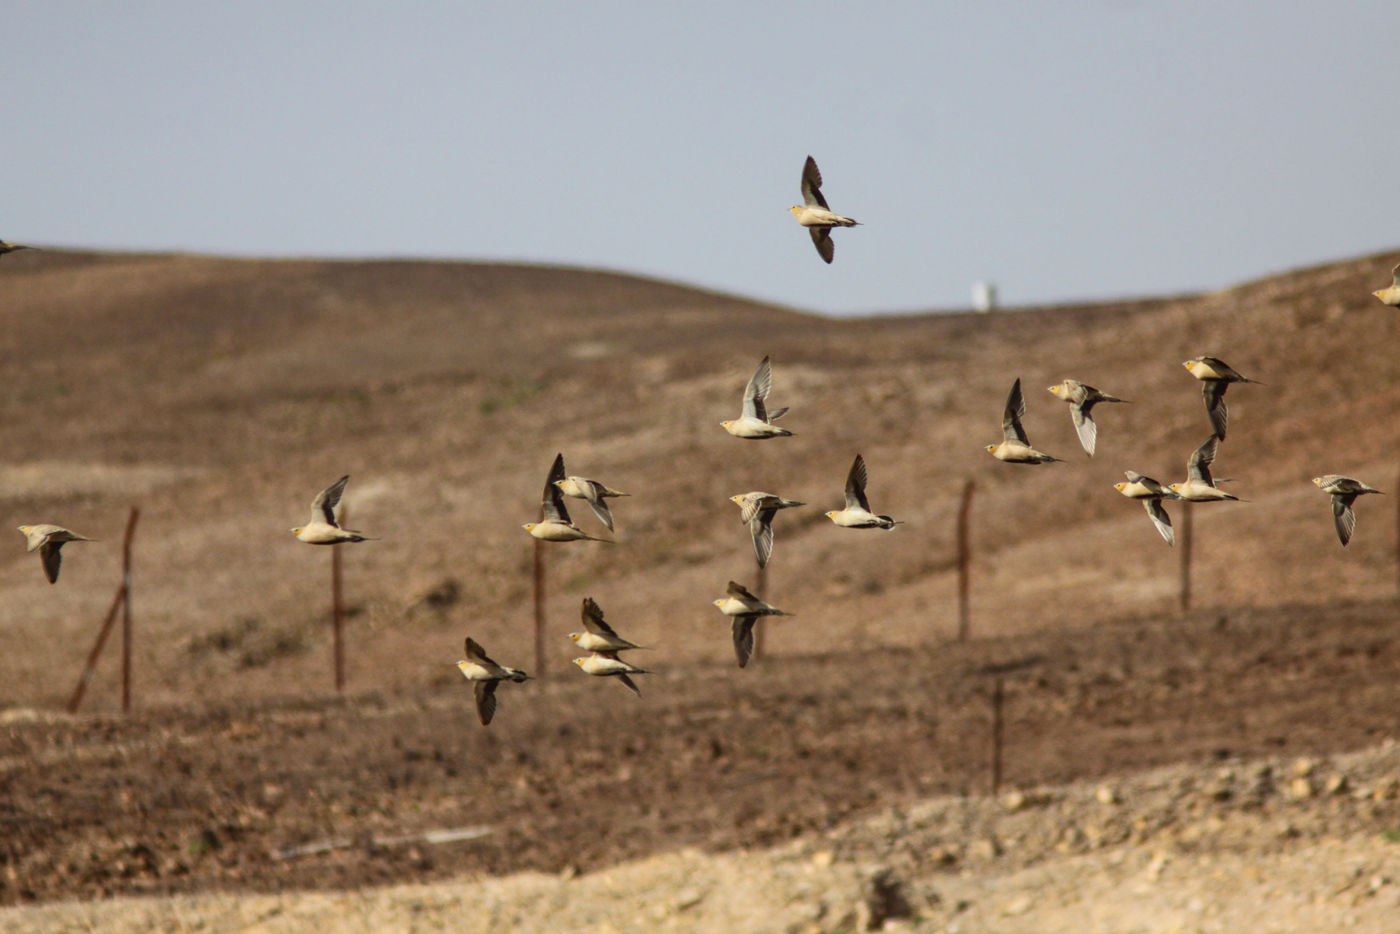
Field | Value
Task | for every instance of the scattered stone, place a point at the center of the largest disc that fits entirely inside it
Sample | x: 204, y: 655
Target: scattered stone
x: 1300, y: 788
x: 1303, y: 768
x: 1106, y: 794
x: 985, y: 848
x: 823, y: 858
x: 881, y: 898
x: 1016, y: 800
x: 1335, y: 784
x: 1018, y: 906
x: 943, y: 856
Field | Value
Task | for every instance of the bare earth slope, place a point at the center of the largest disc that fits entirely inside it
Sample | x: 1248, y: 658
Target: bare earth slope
x: 220, y: 395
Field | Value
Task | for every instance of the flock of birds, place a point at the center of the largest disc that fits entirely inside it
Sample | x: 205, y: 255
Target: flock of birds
x: 757, y: 509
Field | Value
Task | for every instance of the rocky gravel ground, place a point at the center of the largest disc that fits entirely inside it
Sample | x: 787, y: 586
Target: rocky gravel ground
x: 1278, y: 844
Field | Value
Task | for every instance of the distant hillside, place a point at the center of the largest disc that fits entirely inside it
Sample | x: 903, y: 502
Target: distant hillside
x: 220, y: 395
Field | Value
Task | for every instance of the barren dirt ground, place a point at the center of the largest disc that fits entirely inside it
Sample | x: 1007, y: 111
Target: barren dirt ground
x: 578, y: 776
x: 858, y: 743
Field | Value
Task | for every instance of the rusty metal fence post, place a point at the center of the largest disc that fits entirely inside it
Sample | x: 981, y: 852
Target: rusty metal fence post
x: 126, y: 608
x: 119, y: 602
x: 1185, y: 598
x: 539, y: 605
x: 997, y: 729
x: 964, y: 563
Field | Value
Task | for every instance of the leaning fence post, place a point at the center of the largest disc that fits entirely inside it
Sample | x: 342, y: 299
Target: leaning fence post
x: 118, y: 601
x: 964, y: 561
x: 338, y: 611
x: 91, y: 666
x: 539, y: 604
x: 126, y: 608
x: 758, y: 631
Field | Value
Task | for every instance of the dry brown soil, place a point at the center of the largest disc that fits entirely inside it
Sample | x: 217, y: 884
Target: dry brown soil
x: 220, y: 395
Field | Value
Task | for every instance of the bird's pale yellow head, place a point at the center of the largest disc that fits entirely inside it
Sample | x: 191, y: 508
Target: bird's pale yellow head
x: 991, y: 448
x: 796, y: 209
x: 25, y: 528
x: 529, y: 526
x: 829, y: 514
x: 738, y: 497
x: 1191, y: 365
x: 1317, y: 481
x: 720, y: 601
x: 1057, y: 390
x: 1119, y: 486
x: 1174, y: 487
x: 297, y: 530
x: 579, y: 662
x: 575, y: 636
x: 726, y: 424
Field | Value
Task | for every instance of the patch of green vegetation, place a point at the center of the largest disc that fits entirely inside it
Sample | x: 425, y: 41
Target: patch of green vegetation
x: 249, y: 643
x: 511, y: 393
x: 1392, y: 835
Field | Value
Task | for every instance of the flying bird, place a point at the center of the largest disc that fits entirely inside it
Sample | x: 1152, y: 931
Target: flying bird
x: 745, y: 609
x: 594, y: 492
x: 857, y: 514
x: 1215, y: 377
x: 756, y: 422
x: 1390, y: 295
x: 1344, y: 491
x: 556, y: 526
x: 485, y: 674
x: 814, y: 214
x: 1015, y: 448
x: 607, y: 664
x: 48, y: 539
x: 323, y: 529
x: 1082, y: 398
x: 598, y: 636
x: 1151, y: 493
x: 1198, y: 486
x: 12, y: 247
x: 758, y: 509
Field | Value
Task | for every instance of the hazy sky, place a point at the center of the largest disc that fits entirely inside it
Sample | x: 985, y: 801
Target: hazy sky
x: 1060, y: 150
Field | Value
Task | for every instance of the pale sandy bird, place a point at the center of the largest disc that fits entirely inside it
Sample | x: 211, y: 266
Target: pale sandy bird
x: 1082, y: 398
x: 1344, y: 491
x: 1015, y: 448
x: 756, y: 422
x: 745, y: 609
x: 12, y: 247
x: 594, y: 492
x: 814, y: 214
x: 1215, y: 377
x: 323, y: 529
x: 1198, y: 486
x: 556, y: 526
x: 1390, y: 295
x: 48, y: 539
x: 607, y: 664
x: 758, y: 509
x: 485, y: 674
x: 1151, y: 493
x: 857, y: 514
x: 598, y: 635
